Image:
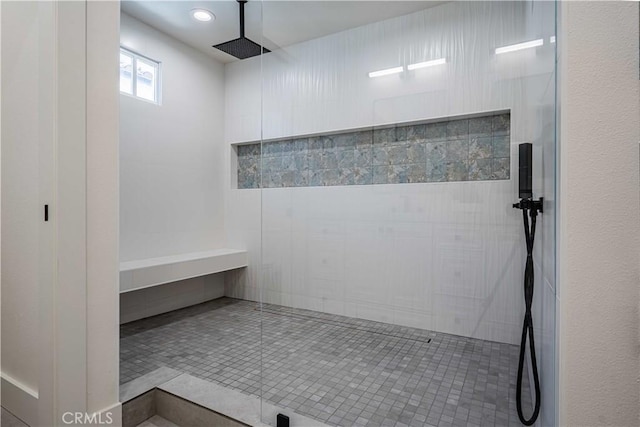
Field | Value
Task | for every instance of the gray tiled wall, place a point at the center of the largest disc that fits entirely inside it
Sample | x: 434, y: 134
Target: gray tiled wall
x: 473, y: 149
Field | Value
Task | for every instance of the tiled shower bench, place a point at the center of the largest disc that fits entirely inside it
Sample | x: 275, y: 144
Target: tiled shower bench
x: 140, y: 274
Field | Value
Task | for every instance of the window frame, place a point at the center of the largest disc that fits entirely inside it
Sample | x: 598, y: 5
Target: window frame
x: 135, y: 56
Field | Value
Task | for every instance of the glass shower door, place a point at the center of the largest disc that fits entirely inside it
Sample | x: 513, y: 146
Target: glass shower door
x: 391, y: 259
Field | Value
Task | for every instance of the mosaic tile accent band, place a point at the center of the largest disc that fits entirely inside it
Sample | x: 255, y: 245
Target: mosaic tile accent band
x: 474, y: 149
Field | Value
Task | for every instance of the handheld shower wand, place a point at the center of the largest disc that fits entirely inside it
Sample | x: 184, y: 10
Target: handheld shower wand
x: 530, y: 209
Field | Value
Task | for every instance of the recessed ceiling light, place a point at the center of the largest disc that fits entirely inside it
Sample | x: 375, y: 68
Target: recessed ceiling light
x: 202, y: 15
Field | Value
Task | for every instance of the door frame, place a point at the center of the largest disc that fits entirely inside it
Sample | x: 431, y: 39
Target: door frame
x: 78, y: 286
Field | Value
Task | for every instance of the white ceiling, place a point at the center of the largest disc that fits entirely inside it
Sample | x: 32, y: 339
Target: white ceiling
x: 285, y: 22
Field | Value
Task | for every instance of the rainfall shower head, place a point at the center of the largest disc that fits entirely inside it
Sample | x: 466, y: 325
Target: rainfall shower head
x: 242, y: 47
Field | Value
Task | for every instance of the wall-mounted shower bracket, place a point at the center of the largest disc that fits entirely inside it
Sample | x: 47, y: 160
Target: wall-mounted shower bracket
x: 530, y: 204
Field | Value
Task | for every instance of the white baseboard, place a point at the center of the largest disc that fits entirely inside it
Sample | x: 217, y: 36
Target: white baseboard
x: 19, y: 399
x: 22, y: 402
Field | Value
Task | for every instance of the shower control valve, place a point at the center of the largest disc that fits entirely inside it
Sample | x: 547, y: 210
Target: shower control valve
x: 530, y: 204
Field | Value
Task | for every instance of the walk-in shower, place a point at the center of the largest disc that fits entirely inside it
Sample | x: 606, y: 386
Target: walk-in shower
x: 356, y: 175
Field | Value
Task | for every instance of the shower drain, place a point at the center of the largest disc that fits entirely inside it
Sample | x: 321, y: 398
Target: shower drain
x: 341, y: 324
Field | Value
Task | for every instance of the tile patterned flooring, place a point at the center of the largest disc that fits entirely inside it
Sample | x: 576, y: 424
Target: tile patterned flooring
x: 339, y: 370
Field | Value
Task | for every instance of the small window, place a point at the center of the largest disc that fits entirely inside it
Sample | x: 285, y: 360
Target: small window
x: 145, y: 82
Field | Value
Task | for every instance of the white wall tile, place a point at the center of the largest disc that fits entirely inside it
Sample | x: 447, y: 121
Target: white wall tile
x: 441, y: 256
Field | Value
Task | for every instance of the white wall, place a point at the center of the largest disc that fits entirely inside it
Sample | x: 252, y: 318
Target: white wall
x: 85, y: 362
x: 441, y: 256
x: 171, y: 169
x: 66, y: 140
x: 21, y: 210
x: 103, y: 357
x: 171, y: 155
x: 599, y: 222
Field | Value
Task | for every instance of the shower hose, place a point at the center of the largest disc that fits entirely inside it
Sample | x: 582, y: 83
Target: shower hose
x: 530, y: 207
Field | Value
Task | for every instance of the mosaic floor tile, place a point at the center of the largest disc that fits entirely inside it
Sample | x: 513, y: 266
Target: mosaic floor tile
x: 339, y: 370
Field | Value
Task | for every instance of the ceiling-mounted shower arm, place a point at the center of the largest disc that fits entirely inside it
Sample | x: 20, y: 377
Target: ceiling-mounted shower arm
x: 242, y: 47
x: 242, y: 2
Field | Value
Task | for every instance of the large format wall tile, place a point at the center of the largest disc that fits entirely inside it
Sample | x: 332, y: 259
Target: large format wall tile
x: 475, y: 149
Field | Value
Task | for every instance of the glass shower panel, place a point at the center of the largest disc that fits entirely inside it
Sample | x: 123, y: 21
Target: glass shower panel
x: 392, y: 261
x: 180, y: 211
